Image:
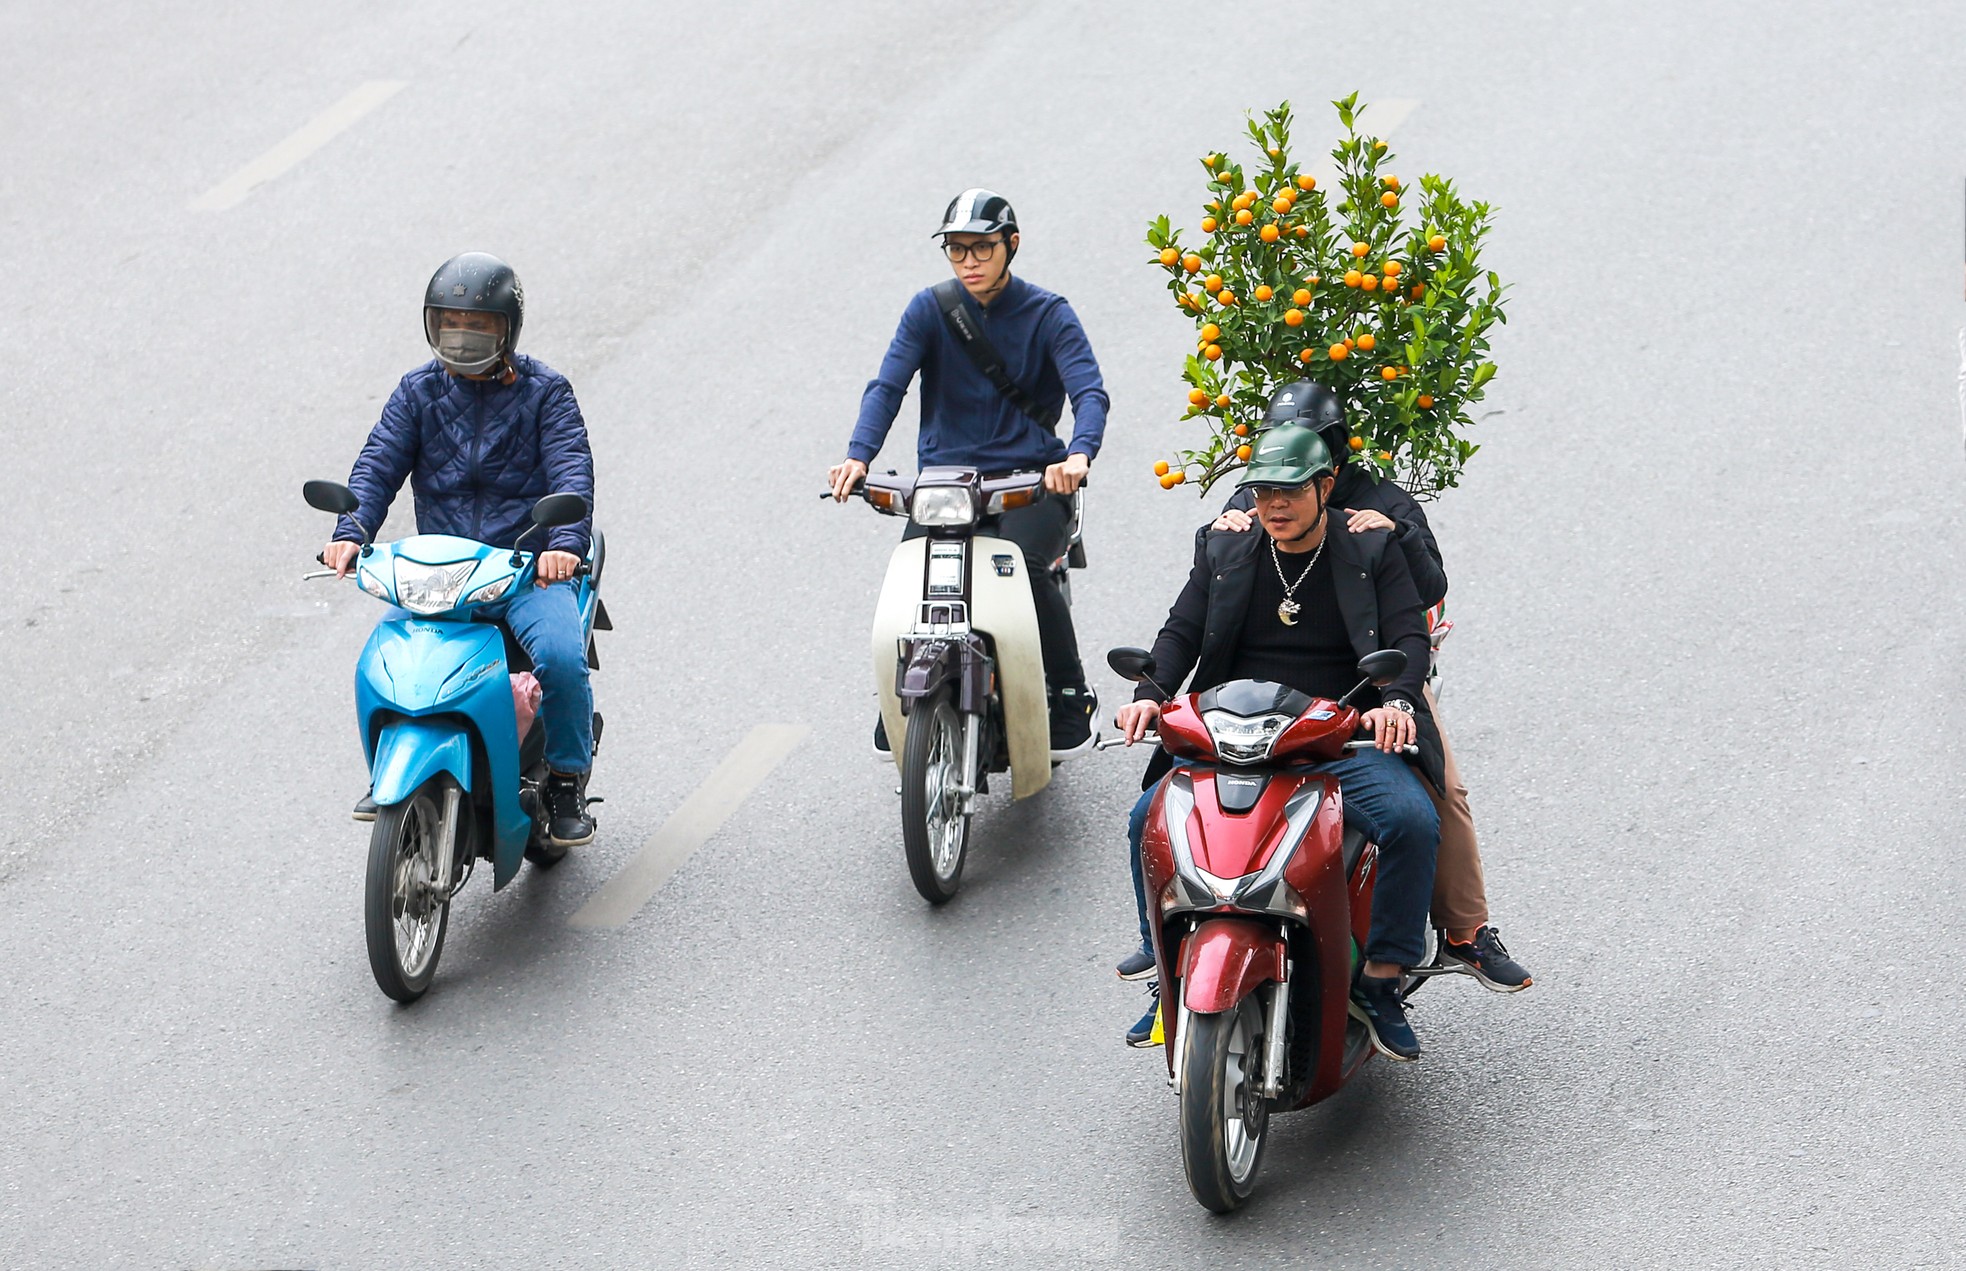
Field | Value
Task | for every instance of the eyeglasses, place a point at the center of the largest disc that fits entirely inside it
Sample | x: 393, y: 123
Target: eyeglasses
x: 1276, y: 491
x: 982, y: 252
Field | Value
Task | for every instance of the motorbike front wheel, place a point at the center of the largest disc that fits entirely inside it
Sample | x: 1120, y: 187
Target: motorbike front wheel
x: 934, y: 824
x: 405, y: 910
x: 1223, y: 1115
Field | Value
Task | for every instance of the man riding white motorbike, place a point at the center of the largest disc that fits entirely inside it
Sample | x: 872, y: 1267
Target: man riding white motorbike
x: 998, y: 357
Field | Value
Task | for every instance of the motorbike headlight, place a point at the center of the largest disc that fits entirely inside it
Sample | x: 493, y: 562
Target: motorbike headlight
x: 371, y: 584
x: 1244, y: 738
x: 430, y: 588
x: 490, y: 591
x: 943, y: 506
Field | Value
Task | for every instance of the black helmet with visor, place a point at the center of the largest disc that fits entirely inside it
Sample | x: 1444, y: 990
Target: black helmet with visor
x: 474, y: 282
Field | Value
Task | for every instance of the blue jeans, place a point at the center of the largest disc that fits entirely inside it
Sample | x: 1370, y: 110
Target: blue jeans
x: 546, y: 623
x: 1385, y: 801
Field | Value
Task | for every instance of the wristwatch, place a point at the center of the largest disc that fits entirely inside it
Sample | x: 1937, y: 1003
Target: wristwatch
x: 1398, y: 704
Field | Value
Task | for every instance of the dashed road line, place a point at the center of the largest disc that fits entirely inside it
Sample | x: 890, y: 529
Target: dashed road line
x: 318, y: 132
x: 701, y: 815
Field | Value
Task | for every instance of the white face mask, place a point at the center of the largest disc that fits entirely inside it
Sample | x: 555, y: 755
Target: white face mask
x: 467, y: 352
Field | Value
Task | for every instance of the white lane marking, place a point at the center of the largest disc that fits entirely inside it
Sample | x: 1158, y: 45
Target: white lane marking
x: 690, y: 827
x: 1374, y: 119
x: 318, y: 132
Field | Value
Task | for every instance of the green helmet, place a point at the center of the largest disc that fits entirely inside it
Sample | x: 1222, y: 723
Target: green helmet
x: 1287, y: 455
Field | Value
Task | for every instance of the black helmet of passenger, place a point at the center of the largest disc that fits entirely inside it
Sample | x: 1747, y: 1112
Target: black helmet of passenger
x: 474, y: 282
x: 978, y: 211
x: 1315, y: 406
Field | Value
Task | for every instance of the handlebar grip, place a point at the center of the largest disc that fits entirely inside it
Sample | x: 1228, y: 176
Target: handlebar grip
x: 1369, y: 745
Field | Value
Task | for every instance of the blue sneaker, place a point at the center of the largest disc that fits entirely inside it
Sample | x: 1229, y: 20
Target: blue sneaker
x: 1137, y: 965
x: 1376, y: 1004
x: 1141, y: 1035
x: 1488, y: 960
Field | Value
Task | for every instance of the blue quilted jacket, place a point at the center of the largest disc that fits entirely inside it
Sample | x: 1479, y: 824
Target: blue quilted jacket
x: 478, y: 454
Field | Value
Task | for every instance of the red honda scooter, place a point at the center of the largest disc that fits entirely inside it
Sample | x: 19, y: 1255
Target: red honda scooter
x: 1259, y: 901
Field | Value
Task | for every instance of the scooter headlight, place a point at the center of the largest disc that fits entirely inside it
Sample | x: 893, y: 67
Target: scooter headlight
x: 431, y: 588
x: 490, y: 591
x: 943, y: 506
x: 1244, y: 738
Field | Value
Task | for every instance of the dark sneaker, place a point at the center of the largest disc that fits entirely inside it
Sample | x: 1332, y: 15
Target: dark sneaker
x: 567, y: 822
x: 1137, y: 965
x: 364, y: 808
x: 1376, y: 1004
x: 1489, y: 961
x: 1141, y: 1035
x: 881, y: 748
x: 1072, y: 710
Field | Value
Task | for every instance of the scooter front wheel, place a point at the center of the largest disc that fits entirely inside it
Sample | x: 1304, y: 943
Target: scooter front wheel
x: 1224, y: 1115
x: 405, y: 909
x: 934, y: 813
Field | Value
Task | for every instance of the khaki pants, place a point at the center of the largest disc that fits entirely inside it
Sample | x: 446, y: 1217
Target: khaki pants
x: 1460, y: 897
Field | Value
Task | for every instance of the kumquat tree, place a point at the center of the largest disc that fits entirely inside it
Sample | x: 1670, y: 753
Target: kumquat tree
x: 1368, y: 289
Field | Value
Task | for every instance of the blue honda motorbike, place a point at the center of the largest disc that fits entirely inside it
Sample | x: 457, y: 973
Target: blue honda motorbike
x: 453, y: 778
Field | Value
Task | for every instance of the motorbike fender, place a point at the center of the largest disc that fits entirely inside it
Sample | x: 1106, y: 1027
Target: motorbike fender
x: 444, y: 684
x: 409, y: 752
x: 419, y: 665
x: 1000, y: 605
x: 1225, y: 959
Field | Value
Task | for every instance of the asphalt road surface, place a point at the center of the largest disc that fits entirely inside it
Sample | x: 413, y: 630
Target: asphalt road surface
x: 1704, y: 679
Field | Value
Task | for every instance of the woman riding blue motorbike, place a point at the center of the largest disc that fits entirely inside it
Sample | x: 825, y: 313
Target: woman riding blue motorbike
x: 482, y: 632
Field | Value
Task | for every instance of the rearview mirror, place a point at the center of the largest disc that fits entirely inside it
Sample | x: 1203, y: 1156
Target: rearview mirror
x: 1136, y: 664
x: 559, y: 509
x: 1383, y: 667
x: 330, y: 496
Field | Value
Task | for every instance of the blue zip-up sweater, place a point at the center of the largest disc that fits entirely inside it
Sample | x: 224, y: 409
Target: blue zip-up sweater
x: 477, y: 454
x: 965, y: 420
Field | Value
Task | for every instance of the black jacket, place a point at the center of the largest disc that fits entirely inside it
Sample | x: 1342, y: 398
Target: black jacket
x: 1358, y: 491
x: 1375, y: 594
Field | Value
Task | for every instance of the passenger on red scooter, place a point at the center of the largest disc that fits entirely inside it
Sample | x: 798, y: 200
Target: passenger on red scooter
x: 1004, y: 425
x: 1299, y: 605
x: 1460, y: 905
x: 481, y: 432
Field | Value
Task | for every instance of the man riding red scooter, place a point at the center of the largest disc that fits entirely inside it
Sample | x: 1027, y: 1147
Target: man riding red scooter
x: 1298, y: 606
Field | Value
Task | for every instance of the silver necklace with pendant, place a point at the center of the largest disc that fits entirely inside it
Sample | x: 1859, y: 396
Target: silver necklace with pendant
x: 1287, y: 611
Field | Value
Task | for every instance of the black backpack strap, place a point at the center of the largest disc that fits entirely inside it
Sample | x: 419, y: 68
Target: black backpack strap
x: 959, y: 314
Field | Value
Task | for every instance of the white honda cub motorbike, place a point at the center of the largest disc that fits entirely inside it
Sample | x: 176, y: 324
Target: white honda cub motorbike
x: 957, y: 660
